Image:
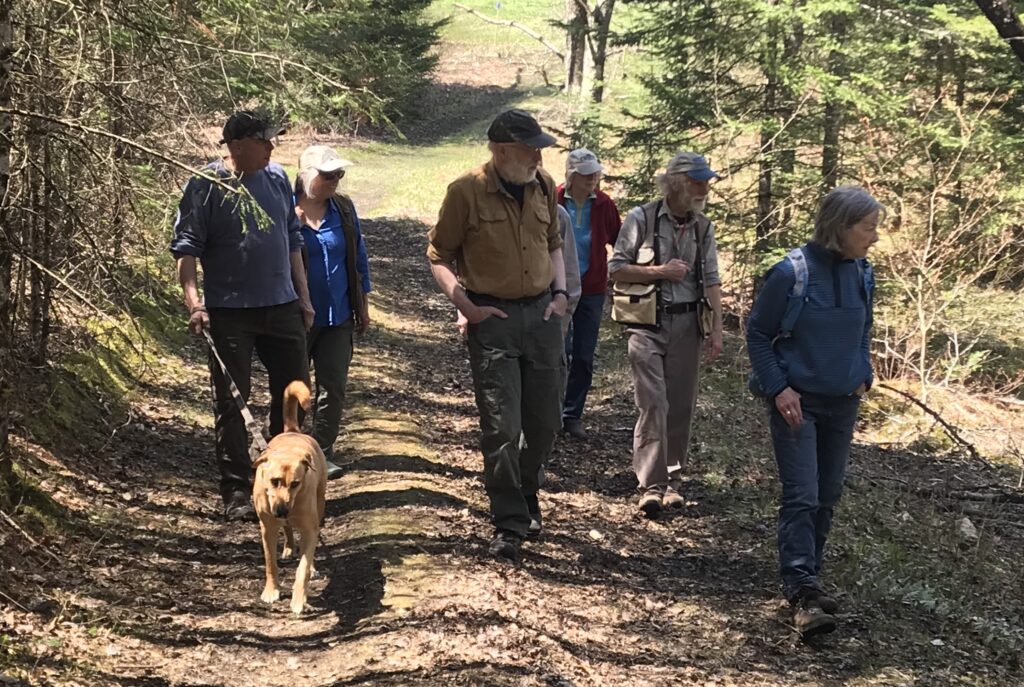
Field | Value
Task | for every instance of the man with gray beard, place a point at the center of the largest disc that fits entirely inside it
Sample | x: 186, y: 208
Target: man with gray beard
x: 496, y: 253
x: 664, y: 358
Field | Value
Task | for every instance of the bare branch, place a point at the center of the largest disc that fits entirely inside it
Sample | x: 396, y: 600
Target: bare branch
x: 515, y: 25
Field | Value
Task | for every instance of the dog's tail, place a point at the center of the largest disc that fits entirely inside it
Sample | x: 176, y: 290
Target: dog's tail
x: 295, y: 395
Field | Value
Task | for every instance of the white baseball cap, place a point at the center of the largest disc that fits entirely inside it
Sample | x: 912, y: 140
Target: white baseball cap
x: 322, y: 159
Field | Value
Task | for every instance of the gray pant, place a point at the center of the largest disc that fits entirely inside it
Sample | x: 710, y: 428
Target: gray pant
x: 330, y: 349
x: 665, y: 364
x: 517, y: 375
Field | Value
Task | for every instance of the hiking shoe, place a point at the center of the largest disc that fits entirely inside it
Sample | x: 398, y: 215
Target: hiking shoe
x: 238, y: 508
x: 650, y: 504
x: 574, y: 428
x: 533, y: 506
x: 827, y: 603
x: 334, y: 471
x: 673, y: 499
x: 505, y: 545
x: 808, y: 616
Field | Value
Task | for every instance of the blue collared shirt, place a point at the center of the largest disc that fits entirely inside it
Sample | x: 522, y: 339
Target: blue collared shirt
x: 581, y: 229
x: 328, y: 272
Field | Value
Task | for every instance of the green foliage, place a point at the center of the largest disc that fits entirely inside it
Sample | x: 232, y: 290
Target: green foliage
x: 335, y: 63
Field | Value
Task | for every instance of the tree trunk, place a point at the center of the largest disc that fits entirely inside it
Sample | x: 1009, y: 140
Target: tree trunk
x: 832, y: 123
x: 602, y: 24
x: 575, y: 45
x: 1007, y: 23
x: 6, y: 334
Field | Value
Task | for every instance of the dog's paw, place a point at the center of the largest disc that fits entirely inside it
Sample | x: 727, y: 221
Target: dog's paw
x: 313, y: 574
x: 270, y: 595
x: 298, y: 605
x: 287, y: 553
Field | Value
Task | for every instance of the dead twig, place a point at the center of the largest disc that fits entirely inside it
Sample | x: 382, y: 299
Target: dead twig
x: 950, y: 430
x: 30, y: 538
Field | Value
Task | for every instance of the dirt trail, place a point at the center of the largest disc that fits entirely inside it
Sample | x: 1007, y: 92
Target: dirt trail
x: 154, y: 589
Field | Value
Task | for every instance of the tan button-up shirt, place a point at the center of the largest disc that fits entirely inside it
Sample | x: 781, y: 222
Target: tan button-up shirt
x: 499, y: 249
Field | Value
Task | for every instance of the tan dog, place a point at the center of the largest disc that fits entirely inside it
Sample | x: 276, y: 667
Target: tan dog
x: 289, y: 491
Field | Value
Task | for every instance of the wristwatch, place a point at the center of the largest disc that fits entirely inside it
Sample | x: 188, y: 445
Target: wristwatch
x: 555, y: 292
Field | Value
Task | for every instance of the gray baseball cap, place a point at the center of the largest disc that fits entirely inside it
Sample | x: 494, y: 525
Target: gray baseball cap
x: 693, y: 165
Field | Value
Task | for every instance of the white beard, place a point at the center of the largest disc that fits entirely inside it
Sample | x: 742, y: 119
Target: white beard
x: 698, y: 205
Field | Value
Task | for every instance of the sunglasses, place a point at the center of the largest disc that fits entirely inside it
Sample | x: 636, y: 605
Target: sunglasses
x: 332, y: 176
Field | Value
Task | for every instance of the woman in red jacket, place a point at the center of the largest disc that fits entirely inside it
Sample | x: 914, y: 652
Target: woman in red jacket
x: 595, y: 224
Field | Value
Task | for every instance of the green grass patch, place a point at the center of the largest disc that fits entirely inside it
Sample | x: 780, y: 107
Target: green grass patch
x: 468, y: 29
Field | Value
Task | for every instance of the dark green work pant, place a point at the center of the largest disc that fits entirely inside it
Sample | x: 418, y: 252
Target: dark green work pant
x: 517, y: 375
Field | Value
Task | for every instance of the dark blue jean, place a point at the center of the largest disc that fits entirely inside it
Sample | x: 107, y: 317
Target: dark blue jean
x: 812, y: 463
x: 580, y: 345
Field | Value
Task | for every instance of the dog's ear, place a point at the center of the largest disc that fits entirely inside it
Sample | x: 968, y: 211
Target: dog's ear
x: 260, y: 461
x: 307, y: 460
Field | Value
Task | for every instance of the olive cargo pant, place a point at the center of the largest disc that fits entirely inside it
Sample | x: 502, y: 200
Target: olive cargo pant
x: 517, y: 376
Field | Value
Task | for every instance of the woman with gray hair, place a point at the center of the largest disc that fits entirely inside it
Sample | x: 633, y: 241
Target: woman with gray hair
x: 808, y: 338
x: 339, y: 279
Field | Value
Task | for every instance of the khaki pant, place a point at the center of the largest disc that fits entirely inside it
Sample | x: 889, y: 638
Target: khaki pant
x: 665, y: 364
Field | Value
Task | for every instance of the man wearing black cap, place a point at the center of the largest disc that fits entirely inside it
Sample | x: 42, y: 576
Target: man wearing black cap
x: 254, y: 285
x: 664, y: 358
x: 496, y: 252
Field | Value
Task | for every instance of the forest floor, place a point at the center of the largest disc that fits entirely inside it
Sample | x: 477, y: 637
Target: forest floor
x: 146, y: 585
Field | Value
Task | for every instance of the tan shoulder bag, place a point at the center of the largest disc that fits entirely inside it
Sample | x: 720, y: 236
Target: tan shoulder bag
x: 637, y: 304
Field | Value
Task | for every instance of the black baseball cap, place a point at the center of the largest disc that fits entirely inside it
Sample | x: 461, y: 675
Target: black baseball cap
x: 518, y: 126
x: 251, y: 124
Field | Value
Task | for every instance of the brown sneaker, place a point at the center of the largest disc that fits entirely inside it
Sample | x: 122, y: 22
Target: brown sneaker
x: 672, y: 499
x: 828, y: 604
x: 650, y: 504
x: 809, y: 617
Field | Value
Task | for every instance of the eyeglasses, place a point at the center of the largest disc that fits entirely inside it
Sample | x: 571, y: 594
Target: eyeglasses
x: 332, y: 176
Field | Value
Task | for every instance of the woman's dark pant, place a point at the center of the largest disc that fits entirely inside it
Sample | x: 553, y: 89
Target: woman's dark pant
x: 330, y: 349
x: 580, y: 345
x: 279, y: 339
x: 812, y: 463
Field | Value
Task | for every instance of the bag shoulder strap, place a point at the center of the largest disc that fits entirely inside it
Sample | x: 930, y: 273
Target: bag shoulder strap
x: 652, y: 213
x: 867, y: 278
x: 348, y: 225
x: 797, y: 295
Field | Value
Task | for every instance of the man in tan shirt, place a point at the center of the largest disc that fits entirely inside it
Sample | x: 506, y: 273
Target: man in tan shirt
x: 496, y: 252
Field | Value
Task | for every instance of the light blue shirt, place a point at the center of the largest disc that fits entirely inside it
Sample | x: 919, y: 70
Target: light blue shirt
x: 581, y: 229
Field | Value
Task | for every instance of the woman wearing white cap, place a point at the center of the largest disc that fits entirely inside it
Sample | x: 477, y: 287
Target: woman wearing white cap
x: 339, y: 279
x: 595, y: 224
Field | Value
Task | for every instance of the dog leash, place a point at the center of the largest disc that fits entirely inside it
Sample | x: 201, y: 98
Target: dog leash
x: 259, y: 444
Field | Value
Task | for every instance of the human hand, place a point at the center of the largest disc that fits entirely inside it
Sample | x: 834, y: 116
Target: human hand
x: 479, y: 313
x: 788, y: 403
x: 713, y: 345
x: 861, y: 390
x: 363, y: 321
x: 675, y: 270
x: 198, y: 320
x: 557, y: 306
x: 307, y: 314
x: 462, y: 323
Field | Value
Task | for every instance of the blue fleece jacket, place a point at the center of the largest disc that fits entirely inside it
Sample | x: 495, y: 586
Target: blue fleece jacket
x: 829, y: 350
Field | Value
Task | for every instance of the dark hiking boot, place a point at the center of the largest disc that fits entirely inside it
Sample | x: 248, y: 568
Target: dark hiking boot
x: 533, y: 506
x: 505, y: 545
x: 574, y: 428
x: 238, y: 508
x: 828, y: 604
x: 334, y: 471
x: 809, y: 617
x: 650, y: 504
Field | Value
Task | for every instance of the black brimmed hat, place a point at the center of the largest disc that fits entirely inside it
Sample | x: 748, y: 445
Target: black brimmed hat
x: 251, y: 124
x: 518, y: 126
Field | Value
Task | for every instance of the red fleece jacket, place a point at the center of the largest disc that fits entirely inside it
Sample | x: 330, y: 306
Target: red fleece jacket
x: 604, y: 230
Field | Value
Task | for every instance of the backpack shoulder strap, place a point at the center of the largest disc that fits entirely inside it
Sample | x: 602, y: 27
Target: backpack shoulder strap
x: 867, y: 278
x: 797, y: 295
